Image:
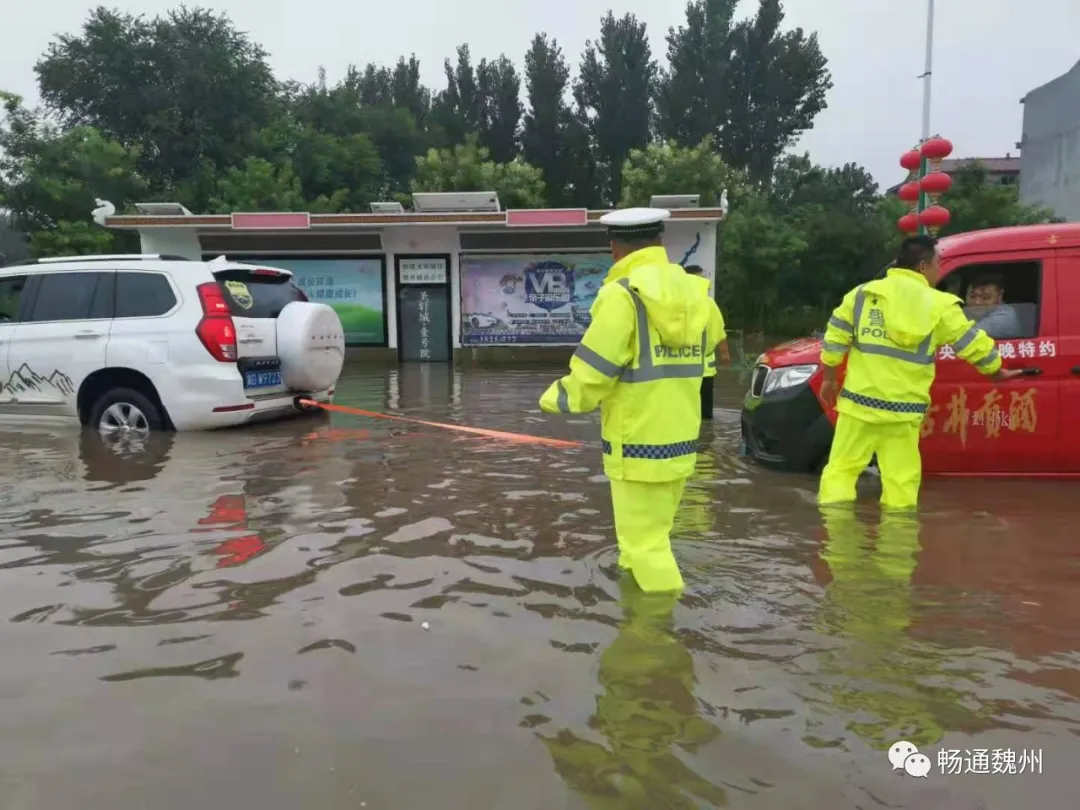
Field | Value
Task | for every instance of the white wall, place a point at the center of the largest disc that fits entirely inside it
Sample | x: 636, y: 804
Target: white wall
x: 171, y: 241
x: 424, y: 240
x: 693, y: 243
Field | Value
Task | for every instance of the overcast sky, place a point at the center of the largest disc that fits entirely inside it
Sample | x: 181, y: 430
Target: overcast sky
x: 988, y: 53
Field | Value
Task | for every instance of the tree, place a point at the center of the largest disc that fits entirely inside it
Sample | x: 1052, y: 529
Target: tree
x: 340, y: 111
x: 458, y: 110
x: 468, y: 167
x: 13, y: 244
x: 50, y: 179
x: 797, y: 181
x: 258, y: 185
x: 693, y: 95
x: 553, y: 138
x: 341, y: 172
x: 759, y: 258
x: 975, y: 203
x: 80, y: 238
x: 615, y: 91
x: 180, y: 89
x: 777, y: 85
x: 499, y: 87
x: 664, y: 168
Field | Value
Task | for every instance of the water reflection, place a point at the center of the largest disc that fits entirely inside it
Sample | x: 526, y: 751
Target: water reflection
x: 647, y: 709
x: 888, y: 684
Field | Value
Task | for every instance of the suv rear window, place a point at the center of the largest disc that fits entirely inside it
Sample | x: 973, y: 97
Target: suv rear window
x: 258, y: 296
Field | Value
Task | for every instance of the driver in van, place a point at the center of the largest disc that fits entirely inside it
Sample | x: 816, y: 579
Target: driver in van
x: 985, y: 304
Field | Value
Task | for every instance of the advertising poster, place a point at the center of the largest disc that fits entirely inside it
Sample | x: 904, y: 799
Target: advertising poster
x: 529, y: 299
x: 353, y: 287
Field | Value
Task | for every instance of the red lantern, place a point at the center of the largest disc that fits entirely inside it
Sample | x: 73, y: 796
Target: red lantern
x: 909, y: 192
x: 936, y: 183
x: 909, y: 223
x: 934, y: 217
x: 911, y: 160
x: 937, y: 149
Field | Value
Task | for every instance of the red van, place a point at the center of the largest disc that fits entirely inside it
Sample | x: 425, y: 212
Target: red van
x: 1028, y: 426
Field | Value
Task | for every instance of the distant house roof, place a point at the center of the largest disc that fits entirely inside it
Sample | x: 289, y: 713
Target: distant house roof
x: 998, y: 165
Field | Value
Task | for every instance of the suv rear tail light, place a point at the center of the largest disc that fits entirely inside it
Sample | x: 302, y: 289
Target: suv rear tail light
x: 216, y: 329
x: 302, y: 294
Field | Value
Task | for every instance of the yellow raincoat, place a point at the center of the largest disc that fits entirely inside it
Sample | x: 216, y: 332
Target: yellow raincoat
x: 710, y: 360
x: 890, y: 329
x: 642, y: 360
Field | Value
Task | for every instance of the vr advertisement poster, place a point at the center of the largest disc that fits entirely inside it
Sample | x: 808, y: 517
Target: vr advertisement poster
x: 538, y: 299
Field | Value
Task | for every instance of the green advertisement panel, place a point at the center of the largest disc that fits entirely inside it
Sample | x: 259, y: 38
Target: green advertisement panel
x: 353, y: 287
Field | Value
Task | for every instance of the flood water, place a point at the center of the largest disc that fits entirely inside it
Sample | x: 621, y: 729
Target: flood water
x: 345, y: 613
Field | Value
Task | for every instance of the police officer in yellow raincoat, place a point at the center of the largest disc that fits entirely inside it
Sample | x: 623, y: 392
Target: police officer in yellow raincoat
x: 890, y: 329
x: 642, y: 360
x: 707, y: 384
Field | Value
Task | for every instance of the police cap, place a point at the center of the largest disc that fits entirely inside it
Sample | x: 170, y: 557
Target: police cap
x: 635, y: 223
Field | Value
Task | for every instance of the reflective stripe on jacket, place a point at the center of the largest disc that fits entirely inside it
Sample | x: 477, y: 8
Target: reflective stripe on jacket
x: 891, y: 330
x: 642, y: 360
x: 710, y: 360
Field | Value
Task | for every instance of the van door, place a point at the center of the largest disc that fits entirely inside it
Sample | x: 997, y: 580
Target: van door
x: 59, y: 341
x: 979, y: 425
x: 1068, y: 359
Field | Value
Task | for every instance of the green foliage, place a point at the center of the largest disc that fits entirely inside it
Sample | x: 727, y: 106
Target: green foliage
x: 759, y: 255
x: 468, y: 167
x: 182, y: 87
x: 49, y: 175
x: 258, y: 185
x: 976, y: 204
x: 72, y: 239
x: 614, y: 91
x: 665, y: 168
x: 13, y: 245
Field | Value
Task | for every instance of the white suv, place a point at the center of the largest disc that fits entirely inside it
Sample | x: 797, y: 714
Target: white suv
x: 140, y: 343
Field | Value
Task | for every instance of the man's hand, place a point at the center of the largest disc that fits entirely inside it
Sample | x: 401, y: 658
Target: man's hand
x: 1004, y: 374
x: 830, y: 391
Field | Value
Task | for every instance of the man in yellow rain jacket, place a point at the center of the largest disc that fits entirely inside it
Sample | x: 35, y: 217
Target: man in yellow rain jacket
x: 698, y: 272
x: 891, y: 329
x: 642, y: 360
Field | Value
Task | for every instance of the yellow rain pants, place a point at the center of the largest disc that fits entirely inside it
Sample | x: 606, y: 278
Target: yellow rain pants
x: 855, y: 443
x: 644, y: 516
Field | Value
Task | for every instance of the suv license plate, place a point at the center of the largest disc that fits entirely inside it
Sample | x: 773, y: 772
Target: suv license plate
x: 261, y: 379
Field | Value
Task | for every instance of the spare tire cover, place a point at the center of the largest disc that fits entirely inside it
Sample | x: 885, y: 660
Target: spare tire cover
x: 311, y: 345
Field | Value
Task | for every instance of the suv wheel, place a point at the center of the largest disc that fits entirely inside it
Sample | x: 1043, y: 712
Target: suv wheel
x: 124, y: 412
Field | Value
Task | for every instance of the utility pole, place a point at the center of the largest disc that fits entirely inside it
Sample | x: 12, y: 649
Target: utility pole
x: 927, y: 77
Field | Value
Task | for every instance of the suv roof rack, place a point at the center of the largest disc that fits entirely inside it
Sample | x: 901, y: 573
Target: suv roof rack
x: 160, y: 257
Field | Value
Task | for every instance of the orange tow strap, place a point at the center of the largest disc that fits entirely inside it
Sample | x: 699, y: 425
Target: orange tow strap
x: 520, y: 438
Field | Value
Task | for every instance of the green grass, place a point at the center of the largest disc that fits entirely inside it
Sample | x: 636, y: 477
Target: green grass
x: 361, y: 324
